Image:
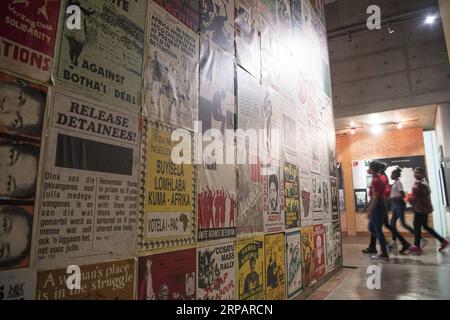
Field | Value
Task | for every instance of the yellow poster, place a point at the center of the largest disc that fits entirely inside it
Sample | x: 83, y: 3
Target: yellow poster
x: 308, y: 269
x: 250, y: 268
x: 167, y: 217
x: 275, y: 267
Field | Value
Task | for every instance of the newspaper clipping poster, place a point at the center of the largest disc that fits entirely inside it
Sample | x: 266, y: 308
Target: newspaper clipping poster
x: 90, y: 184
x: 216, y: 104
x: 329, y: 246
x: 250, y: 268
x: 308, y: 256
x: 293, y: 261
x: 17, y: 284
x: 216, y: 272
x: 217, y: 17
x: 274, y: 246
x: 167, y: 219
x: 104, y: 58
x: 334, y: 199
x: 319, y: 251
x: 291, y: 196
x: 216, y: 199
x: 248, y: 42
x: 317, y: 197
x: 327, y: 215
x: 167, y: 276
x: 306, y: 196
x: 103, y: 281
x: 337, y: 242
x: 315, y: 156
x: 27, y: 37
x: 171, y: 81
x: 187, y: 11
x: 21, y: 121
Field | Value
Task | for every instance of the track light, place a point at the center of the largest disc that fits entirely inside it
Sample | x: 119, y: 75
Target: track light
x: 390, y: 29
x: 430, y: 19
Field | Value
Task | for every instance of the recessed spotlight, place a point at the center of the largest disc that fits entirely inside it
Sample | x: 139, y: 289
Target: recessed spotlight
x: 430, y: 19
x: 399, y: 125
x: 352, y: 131
x: 376, y: 129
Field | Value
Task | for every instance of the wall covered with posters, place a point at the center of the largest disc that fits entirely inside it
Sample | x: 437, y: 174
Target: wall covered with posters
x: 166, y: 150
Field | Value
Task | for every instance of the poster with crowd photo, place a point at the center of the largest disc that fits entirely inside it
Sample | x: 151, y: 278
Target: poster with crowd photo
x: 308, y: 256
x: 337, y: 242
x: 17, y: 284
x: 326, y: 197
x: 248, y: 41
x: 274, y: 218
x: 187, y: 11
x: 274, y: 263
x: 104, y: 281
x: 104, y: 58
x: 216, y: 202
x: 250, y: 268
x: 330, y: 264
x: 216, y: 103
x: 334, y: 199
x: 90, y: 190
x: 250, y: 199
x: 28, y: 35
x: 291, y: 195
x: 22, y: 113
x: 319, y: 251
x: 167, y: 276
x: 167, y: 216
x: 317, y: 197
x: 171, y: 79
x: 294, y: 263
x: 216, y: 272
x: 217, y: 23
x: 306, y: 197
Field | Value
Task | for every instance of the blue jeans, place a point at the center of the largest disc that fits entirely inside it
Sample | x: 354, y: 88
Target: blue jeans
x: 376, y: 223
x: 398, y: 213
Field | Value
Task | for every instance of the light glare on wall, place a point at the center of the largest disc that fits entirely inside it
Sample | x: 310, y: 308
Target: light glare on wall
x: 376, y: 129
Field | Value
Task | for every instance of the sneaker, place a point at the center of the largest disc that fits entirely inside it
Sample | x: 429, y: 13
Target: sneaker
x: 404, y: 250
x: 415, y: 250
x: 423, y: 242
x: 370, y: 250
x: 443, y: 246
x: 383, y: 256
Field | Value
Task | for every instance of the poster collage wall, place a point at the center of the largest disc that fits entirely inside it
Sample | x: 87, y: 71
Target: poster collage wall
x: 88, y: 117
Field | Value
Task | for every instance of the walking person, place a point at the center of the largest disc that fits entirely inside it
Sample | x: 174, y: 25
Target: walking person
x: 398, y: 205
x: 422, y: 207
x: 377, y: 207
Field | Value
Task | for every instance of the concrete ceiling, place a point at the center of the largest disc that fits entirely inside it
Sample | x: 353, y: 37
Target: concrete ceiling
x: 416, y: 117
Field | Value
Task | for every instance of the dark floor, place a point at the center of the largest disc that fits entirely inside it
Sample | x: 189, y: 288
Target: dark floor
x: 403, y: 277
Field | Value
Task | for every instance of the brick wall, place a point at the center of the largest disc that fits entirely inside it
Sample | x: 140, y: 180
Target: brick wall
x: 389, y: 144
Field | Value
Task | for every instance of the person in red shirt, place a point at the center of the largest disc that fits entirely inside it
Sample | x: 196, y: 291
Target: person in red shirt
x: 422, y: 207
x: 377, y: 207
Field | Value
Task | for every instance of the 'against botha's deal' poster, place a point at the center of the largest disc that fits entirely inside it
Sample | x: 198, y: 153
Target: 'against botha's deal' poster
x: 167, y: 218
x: 216, y: 272
x: 250, y: 268
x: 274, y: 263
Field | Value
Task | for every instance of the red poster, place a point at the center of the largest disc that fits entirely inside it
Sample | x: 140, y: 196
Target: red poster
x: 319, y: 251
x: 167, y: 276
x: 27, y: 36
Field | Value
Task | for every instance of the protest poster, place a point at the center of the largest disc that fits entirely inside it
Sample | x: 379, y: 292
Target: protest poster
x: 317, y: 197
x: 308, y: 256
x: 319, y: 251
x: 28, y: 32
x: 334, y: 199
x: 250, y: 268
x: 330, y: 263
x: 291, y: 195
x: 337, y: 243
x: 274, y: 248
x: 89, y: 201
x: 274, y: 220
x: 103, y: 59
x: 216, y: 198
x: 216, y: 272
x: 306, y: 197
x: 315, y: 156
x: 248, y: 40
x: 167, y: 216
x: 216, y: 103
x: 103, y: 281
x: 17, y: 284
x: 187, y: 11
x: 216, y: 23
x: 326, y: 189
x: 293, y: 263
x: 171, y: 77
x: 167, y: 276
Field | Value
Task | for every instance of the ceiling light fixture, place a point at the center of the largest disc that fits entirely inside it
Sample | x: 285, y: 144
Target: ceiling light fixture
x: 430, y: 19
x: 399, y: 125
x: 352, y: 131
x: 376, y: 129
